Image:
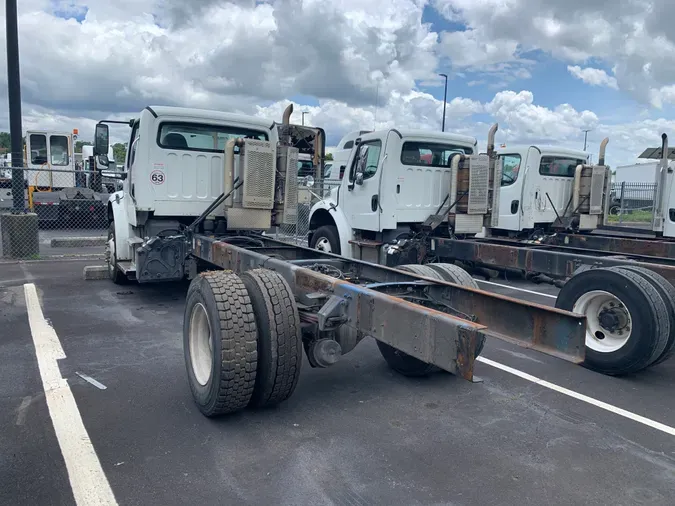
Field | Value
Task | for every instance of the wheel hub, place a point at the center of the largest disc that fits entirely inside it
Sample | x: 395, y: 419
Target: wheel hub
x: 323, y: 244
x: 608, y: 321
x: 201, y: 345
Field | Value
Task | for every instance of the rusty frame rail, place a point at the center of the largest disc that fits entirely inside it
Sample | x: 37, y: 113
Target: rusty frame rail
x: 434, y: 321
x: 554, y: 261
x: 654, y: 250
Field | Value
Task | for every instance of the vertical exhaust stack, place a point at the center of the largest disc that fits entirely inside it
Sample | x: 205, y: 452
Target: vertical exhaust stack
x: 601, y: 155
x: 590, y: 195
x: 285, y: 209
x: 229, y: 168
x: 491, y: 140
x: 661, y: 179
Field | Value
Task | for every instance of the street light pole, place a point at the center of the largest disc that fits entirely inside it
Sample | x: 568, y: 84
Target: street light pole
x: 585, y: 137
x: 303, y: 117
x: 445, y: 99
x: 14, y: 98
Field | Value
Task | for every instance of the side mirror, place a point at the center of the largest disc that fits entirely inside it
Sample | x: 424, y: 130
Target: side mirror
x: 358, y: 179
x: 102, y: 160
x: 101, y: 140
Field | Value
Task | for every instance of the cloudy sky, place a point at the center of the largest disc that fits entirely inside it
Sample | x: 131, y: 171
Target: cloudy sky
x: 544, y: 69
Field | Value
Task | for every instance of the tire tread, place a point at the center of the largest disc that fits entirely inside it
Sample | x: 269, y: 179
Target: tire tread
x: 277, y: 374
x: 238, y: 338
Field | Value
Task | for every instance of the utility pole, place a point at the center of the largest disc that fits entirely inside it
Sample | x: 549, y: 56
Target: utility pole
x: 303, y: 117
x: 14, y: 98
x: 585, y: 137
x: 445, y: 99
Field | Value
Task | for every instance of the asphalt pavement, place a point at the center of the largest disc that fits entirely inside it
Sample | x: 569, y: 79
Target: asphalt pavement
x: 354, y: 434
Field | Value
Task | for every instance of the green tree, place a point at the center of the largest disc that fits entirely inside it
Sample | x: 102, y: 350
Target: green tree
x: 5, y: 141
x: 329, y: 157
x: 119, y: 152
x: 79, y: 144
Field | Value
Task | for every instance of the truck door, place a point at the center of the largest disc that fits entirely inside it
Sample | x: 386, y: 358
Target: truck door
x: 669, y: 204
x: 511, y: 193
x: 550, y: 184
x: 531, y: 188
x: 361, y: 201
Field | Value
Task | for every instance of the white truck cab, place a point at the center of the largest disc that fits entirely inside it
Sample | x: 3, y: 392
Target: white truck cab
x: 173, y: 171
x: 537, y: 182
x: 393, y: 179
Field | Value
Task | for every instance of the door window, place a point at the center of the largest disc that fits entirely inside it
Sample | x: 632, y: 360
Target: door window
x: 366, y: 159
x: 38, y: 149
x: 58, y: 150
x: 510, y: 169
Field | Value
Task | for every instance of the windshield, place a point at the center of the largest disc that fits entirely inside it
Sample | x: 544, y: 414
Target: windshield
x: 430, y: 153
x: 305, y: 168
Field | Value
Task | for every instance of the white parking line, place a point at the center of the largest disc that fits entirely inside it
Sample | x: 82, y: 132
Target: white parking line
x: 516, y: 288
x: 87, y: 479
x: 590, y: 400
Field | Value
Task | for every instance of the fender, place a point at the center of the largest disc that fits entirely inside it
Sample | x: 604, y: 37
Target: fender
x: 116, y: 212
x: 340, y: 221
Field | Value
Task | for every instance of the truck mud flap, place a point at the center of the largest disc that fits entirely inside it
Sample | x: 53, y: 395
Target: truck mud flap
x: 161, y: 259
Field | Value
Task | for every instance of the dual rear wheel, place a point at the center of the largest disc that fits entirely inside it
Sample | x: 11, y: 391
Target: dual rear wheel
x: 630, y: 317
x: 241, y: 340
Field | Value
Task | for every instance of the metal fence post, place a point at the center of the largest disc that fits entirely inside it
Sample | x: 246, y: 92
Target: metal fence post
x: 621, y: 204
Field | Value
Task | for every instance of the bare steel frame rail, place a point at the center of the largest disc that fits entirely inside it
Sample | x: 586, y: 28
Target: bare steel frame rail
x: 552, y: 260
x: 437, y: 322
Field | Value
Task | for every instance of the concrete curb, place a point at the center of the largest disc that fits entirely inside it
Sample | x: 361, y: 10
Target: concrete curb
x: 95, y: 272
x: 77, y: 242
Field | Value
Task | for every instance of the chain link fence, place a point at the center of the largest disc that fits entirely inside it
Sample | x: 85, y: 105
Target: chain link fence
x: 64, y: 212
x: 632, y: 204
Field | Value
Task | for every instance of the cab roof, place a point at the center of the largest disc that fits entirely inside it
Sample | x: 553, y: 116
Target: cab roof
x: 429, y: 136
x: 546, y: 150
x: 164, y: 111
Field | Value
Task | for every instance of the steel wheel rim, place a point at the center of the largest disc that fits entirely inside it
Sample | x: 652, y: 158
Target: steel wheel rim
x: 323, y: 244
x: 201, y: 346
x: 609, y: 324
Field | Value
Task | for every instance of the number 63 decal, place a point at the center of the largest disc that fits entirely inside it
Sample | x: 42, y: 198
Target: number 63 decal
x: 157, y: 177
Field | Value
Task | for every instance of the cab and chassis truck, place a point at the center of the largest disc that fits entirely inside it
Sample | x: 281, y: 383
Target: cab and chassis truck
x: 415, y: 200
x: 200, y: 187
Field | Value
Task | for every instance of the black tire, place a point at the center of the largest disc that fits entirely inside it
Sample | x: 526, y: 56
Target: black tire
x: 455, y: 274
x: 330, y: 233
x: 667, y: 292
x: 279, y: 338
x: 422, y: 270
x: 114, y: 273
x: 649, y: 314
x: 403, y: 363
x: 232, y: 336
